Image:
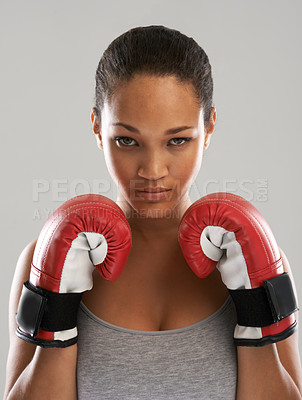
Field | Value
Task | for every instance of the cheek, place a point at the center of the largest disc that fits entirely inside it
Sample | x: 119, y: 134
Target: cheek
x: 119, y: 166
x: 197, y: 164
x: 187, y: 170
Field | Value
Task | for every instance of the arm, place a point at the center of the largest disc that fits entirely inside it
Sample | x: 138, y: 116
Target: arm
x: 31, y: 370
x: 271, y: 371
x: 86, y: 232
x: 226, y: 231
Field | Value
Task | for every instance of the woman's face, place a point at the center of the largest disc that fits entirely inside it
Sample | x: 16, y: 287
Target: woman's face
x: 152, y: 134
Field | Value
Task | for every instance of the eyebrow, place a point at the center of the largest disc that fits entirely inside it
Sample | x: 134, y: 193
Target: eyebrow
x: 171, y: 131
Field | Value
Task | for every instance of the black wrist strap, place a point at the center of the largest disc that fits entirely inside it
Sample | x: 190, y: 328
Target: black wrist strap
x: 42, y: 309
x: 266, y: 304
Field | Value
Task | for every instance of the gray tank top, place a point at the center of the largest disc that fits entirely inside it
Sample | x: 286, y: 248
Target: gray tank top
x: 198, y: 361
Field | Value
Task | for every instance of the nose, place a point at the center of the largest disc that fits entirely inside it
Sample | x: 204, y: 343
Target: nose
x: 153, y: 167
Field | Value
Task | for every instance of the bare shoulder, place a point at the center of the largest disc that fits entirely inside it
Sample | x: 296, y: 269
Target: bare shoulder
x: 20, y: 352
x: 288, y: 349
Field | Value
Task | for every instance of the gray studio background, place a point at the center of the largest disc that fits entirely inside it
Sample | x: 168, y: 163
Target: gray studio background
x: 49, y: 53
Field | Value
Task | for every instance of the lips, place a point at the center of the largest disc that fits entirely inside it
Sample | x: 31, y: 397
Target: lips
x: 153, y: 190
x: 154, y: 194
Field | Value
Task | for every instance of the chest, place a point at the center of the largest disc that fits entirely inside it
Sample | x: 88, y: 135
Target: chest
x: 155, y: 293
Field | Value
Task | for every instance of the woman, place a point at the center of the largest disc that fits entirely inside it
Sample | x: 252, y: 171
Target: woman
x: 158, y: 332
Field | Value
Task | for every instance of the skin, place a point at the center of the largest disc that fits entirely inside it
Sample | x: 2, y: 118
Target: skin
x: 153, y: 158
x: 153, y: 105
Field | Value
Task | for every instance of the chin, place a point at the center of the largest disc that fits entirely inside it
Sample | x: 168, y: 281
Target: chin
x: 154, y: 213
x: 154, y: 210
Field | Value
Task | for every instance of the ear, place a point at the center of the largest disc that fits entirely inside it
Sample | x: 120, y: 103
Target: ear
x: 209, y: 129
x: 96, y: 127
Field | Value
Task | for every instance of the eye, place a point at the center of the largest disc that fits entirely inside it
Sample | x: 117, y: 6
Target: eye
x: 184, y: 140
x: 120, y: 138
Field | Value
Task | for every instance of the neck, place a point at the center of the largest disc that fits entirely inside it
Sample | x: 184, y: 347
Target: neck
x: 154, y: 222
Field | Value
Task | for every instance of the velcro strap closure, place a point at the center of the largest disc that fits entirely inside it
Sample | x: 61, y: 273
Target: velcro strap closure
x: 267, y: 304
x: 42, y: 309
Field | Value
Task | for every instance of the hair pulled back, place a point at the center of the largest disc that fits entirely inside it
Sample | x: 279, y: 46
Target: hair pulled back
x: 158, y: 51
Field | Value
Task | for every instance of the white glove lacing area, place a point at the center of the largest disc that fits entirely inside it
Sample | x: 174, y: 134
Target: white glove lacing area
x: 221, y: 245
x: 87, y: 250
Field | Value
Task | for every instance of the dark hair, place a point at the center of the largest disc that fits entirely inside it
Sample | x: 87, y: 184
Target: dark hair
x: 159, y: 51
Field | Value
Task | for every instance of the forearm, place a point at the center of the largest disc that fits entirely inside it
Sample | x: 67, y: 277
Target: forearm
x: 50, y: 375
x: 261, y: 375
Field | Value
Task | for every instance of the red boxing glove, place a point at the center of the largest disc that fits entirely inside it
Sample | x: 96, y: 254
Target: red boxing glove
x: 86, y: 231
x: 225, y: 230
